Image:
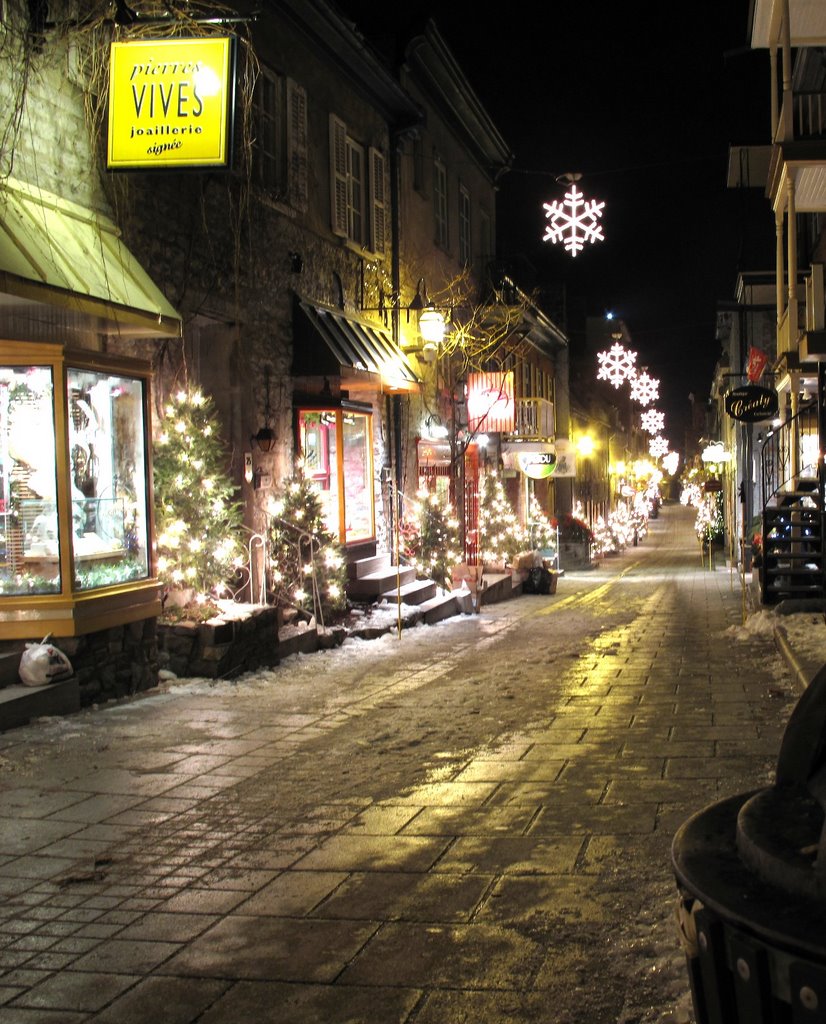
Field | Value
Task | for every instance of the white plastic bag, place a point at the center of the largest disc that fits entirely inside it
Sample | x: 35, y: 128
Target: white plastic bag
x: 43, y: 663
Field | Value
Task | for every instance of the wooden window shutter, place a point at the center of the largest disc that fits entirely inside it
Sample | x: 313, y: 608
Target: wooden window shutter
x: 338, y: 176
x: 297, y: 148
x: 378, y: 204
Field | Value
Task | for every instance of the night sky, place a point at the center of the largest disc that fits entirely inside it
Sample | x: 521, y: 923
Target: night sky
x: 643, y: 100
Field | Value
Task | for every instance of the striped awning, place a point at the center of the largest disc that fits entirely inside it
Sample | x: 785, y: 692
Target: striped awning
x: 56, y: 253
x: 328, y: 343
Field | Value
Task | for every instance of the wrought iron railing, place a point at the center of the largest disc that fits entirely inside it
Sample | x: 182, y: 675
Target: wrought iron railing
x: 789, y: 452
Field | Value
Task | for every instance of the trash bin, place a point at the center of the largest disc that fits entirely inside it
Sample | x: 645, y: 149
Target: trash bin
x: 751, y: 876
x: 540, y: 581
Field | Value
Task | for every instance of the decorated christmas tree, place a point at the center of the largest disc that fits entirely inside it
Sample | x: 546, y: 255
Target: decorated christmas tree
x: 543, y: 533
x: 605, y: 539
x: 501, y: 536
x: 198, y: 518
x: 709, y: 522
x: 308, y: 570
x: 430, y: 538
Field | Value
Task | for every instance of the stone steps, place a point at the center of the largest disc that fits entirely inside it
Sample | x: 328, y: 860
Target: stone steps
x: 415, y: 592
x: 20, y: 704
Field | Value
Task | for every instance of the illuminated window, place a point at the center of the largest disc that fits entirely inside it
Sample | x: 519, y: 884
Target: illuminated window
x: 74, y: 497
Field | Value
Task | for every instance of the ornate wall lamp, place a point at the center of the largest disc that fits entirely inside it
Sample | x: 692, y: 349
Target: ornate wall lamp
x: 264, y: 440
x: 432, y: 322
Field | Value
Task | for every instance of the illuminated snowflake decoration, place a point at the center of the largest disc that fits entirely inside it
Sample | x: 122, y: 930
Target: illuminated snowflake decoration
x: 616, y: 365
x: 574, y: 221
x: 671, y: 462
x: 658, y: 446
x: 644, y: 389
x: 652, y: 421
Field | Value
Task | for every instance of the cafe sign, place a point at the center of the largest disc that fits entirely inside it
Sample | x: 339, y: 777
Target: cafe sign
x: 751, y: 403
x: 536, y: 460
x: 171, y: 103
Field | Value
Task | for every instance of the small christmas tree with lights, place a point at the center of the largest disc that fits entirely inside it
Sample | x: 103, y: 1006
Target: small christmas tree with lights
x: 605, y: 539
x: 543, y: 534
x: 430, y: 537
x: 308, y: 570
x: 500, y: 533
x: 198, y: 518
x: 709, y: 523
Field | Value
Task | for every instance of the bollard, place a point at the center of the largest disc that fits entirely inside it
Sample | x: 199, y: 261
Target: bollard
x: 751, y: 876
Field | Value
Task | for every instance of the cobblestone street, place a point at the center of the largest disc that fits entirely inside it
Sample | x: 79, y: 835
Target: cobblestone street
x: 467, y: 822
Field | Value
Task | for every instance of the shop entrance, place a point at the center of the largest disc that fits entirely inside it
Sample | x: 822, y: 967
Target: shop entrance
x: 336, y: 445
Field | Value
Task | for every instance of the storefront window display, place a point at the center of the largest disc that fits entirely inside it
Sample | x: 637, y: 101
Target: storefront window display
x: 106, y: 448
x: 74, y: 508
x: 107, y: 482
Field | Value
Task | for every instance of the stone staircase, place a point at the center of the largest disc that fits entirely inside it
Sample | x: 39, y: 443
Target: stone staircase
x: 373, y: 578
x: 21, y: 704
x: 793, y: 543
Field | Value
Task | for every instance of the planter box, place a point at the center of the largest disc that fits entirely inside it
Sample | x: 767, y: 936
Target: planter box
x: 574, y: 555
x: 221, y: 648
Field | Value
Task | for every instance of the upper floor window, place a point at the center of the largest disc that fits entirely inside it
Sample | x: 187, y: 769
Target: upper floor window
x: 485, y: 237
x: 419, y: 166
x: 440, y: 203
x: 280, y: 142
x: 464, y: 226
x: 357, y: 190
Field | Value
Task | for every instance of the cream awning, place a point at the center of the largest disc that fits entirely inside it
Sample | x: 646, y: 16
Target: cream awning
x: 57, y: 253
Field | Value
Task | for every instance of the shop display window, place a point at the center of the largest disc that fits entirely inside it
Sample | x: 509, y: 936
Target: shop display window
x: 107, y: 478
x: 30, y: 541
x: 108, y: 542
x: 75, y: 491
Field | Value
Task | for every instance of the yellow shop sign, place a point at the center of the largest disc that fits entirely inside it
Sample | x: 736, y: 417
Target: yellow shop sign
x: 171, y: 103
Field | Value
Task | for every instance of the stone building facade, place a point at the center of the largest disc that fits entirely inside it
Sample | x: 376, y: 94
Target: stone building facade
x: 284, y: 285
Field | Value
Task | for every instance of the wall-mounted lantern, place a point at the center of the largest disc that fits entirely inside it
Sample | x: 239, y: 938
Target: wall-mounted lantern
x: 264, y: 440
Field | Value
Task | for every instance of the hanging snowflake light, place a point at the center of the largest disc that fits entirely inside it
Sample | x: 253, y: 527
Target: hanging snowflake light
x: 658, y: 446
x: 671, y: 462
x: 574, y: 221
x: 644, y: 389
x: 652, y: 421
x: 616, y: 365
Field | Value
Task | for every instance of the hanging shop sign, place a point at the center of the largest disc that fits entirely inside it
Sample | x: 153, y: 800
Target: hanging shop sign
x: 713, y: 486
x: 758, y: 361
x: 171, y: 103
x: 433, y: 453
x: 751, y: 403
x: 490, y: 404
x: 534, y: 460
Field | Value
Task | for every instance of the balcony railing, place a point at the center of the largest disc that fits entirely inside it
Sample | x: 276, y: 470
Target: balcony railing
x: 802, y: 116
x: 533, y: 419
x: 809, y: 115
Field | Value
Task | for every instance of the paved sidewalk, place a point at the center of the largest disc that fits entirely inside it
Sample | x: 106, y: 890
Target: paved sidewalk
x: 472, y: 828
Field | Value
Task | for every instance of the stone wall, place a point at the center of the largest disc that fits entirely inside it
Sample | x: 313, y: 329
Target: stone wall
x: 220, y: 650
x: 108, y: 664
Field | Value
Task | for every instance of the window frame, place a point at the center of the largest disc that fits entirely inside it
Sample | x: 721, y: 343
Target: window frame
x: 465, y: 249
x: 440, y: 204
x: 359, y: 195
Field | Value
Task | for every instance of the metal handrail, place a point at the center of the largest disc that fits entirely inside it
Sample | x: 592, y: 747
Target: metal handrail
x: 780, y: 457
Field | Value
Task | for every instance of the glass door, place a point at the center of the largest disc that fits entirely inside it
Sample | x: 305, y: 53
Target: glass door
x: 337, y: 450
